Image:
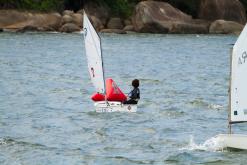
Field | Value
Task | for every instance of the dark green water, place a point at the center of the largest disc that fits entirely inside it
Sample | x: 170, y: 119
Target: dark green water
x: 47, y: 117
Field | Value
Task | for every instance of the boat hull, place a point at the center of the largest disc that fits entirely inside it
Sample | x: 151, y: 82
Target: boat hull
x: 236, y: 141
x: 114, y: 106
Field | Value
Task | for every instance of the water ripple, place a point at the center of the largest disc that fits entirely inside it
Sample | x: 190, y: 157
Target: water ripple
x: 47, y: 117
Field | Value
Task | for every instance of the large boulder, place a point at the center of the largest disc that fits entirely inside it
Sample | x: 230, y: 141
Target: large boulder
x: 231, y: 10
x: 225, y: 27
x: 69, y: 28
x: 161, y: 17
x: 68, y: 12
x: 115, y: 23
x: 75, y: 18
x: 11, y: 19
x: 96, y: 23
x: 78, y: 19
x: 66, y: 19
x: 129, y: 28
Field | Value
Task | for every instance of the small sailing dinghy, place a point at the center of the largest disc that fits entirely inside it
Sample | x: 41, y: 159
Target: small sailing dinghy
x: 238, y: 93
x: 108, y: 97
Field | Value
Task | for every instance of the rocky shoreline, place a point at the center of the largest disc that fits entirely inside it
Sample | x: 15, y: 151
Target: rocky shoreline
x: 215, y: 17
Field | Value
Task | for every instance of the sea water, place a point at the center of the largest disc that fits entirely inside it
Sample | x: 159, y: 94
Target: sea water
x: 47, y: 117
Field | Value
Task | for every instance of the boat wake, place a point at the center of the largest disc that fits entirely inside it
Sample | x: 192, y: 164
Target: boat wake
x: 213, y: 144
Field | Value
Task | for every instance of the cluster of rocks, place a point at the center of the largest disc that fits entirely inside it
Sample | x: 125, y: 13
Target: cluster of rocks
x: 214, y: 16
x: 71, y: 22
x: 12, y: 20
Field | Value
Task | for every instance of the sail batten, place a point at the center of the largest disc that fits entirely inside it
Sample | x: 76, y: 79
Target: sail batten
x: 238, y: 84
x: 94, y: 55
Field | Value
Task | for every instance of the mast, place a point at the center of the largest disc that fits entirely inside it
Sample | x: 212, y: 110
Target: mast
x: 103, y: 69
x: 230, y: 87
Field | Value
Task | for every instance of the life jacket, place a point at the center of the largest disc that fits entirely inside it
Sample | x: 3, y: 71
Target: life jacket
x: 134, y: 94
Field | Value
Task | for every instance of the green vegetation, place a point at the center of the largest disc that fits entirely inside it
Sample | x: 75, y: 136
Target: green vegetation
x: 40, y: 5
x: 122, y: 8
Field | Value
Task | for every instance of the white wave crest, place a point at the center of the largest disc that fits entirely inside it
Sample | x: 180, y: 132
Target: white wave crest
x: 215, y: 106
x: 2, y: 141
x: 213, y: 144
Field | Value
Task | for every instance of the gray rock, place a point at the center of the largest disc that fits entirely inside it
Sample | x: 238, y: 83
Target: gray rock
x: 115, y: 23
x: 73, y: 18
x: 230, y: 10
x: 225, y: 27
x: 69, y: 28
x: 78, y: 19
x: 14, y: 20
x: 68, y: 12
x: 66, y: 19
x: 157, y: 17
x: 129, y: 28
x: 9, y: 17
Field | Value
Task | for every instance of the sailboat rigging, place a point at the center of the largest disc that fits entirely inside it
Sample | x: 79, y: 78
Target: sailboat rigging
x: 108, y: 97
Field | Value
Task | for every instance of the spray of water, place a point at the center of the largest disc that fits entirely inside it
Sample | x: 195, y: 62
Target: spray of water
x: 213, y: 144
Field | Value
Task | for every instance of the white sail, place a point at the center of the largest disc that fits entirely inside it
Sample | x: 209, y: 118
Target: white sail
x: 239, y: 79
x: 94, y: 56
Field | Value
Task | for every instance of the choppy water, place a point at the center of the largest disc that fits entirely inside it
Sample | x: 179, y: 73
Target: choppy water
x: 46, y: 115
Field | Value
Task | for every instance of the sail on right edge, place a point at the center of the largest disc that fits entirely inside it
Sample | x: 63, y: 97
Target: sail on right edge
x: 239, y: 79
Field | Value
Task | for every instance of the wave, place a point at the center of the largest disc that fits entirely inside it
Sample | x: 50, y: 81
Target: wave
x: 213, y: 144
x: 2, y: 142
x: 215, y: 106
x: 201, y: 103
x: 11, y: 141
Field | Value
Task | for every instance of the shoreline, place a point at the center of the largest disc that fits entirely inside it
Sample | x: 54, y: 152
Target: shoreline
x: 127, y: 33
x: 148, y: 17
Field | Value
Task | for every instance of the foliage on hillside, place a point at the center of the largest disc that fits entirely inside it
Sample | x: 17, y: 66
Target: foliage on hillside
x: 40, y: 5
x: 123, y: 8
